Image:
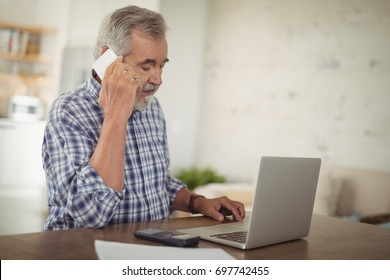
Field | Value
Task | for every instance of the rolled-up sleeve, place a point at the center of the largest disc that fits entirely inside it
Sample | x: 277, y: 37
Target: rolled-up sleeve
x: 173, y: 186
x: 93, y: 203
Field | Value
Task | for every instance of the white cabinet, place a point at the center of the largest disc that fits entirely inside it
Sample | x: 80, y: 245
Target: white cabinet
x: 22, y: 181
x: 20, y: 155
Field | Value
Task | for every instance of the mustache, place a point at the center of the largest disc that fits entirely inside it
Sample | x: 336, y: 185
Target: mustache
x: 149, y: 87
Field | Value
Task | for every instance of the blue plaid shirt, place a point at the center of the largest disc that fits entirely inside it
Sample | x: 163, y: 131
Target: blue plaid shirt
x: 77, y: 195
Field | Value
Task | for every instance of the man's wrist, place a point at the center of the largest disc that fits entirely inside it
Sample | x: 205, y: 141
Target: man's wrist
x: 191, y: 204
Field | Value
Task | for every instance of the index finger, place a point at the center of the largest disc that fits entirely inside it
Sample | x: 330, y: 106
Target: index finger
x: 236, y: 208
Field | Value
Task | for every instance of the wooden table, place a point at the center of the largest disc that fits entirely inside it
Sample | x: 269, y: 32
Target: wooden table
x: 329, y: 239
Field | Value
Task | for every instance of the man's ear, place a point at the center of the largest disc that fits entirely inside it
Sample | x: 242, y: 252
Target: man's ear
x: 103, y: 50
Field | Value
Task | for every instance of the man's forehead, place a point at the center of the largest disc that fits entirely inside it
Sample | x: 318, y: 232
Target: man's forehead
x: 148, y: 50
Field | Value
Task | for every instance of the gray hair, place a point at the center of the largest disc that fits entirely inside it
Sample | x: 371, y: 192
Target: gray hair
x: 115, y: 29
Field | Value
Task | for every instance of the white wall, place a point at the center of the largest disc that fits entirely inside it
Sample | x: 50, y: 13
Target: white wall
x: 85, y: 16
x: 182, y: 77
x: 12, y: 10
x: 296, y: 78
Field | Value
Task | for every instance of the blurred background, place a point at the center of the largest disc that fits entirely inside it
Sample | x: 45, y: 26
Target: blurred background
x: 246, y: 78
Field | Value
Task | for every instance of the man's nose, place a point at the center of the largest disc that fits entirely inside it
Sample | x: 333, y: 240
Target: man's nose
x: 156, y: 78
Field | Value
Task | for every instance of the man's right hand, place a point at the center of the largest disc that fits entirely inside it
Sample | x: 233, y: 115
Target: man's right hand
x: 119, y: 89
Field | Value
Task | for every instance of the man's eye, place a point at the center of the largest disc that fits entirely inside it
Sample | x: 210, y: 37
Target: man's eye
x: 145, y: 68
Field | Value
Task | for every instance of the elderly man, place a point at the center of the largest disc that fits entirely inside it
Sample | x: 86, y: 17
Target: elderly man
x: 105, y: 151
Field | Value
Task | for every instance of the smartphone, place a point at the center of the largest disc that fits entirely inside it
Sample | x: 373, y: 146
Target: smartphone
x: 101, y: 64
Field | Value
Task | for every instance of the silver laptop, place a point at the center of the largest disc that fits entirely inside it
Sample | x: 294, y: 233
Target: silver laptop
x: 282, y: 206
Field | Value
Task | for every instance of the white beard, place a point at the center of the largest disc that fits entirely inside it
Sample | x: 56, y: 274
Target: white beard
x: 143, y: 103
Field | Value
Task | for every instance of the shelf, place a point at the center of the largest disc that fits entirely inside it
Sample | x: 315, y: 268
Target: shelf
x: 26, y: 60
x: 21, y: 43
x: 31, y: 80
x: 37, y: 30
x: 30, y: 58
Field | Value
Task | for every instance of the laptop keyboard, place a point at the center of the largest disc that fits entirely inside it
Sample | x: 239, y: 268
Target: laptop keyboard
x: 237, y: 236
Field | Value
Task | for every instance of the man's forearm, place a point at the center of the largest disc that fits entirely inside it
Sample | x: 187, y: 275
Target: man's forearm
x: 108, y: 158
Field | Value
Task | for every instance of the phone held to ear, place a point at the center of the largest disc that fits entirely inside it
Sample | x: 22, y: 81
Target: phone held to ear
x: 101, y: 64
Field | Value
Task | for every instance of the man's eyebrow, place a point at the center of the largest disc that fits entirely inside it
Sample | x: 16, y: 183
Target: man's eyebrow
x: 152, y: 61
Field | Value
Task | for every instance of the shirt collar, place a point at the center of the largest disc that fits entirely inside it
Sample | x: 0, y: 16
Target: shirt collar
x: 94, y: 86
